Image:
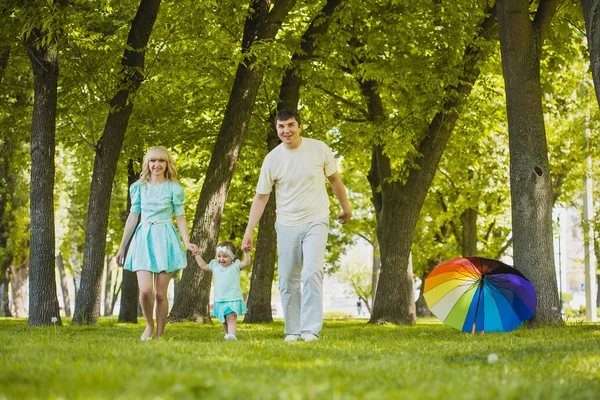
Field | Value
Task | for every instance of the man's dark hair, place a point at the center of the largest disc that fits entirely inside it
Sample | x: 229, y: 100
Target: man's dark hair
x: 284, y: 115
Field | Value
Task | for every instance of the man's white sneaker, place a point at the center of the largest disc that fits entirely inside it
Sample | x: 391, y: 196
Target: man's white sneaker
x: 309, y: 337
x: 291, y: 338
x: 230, y: 337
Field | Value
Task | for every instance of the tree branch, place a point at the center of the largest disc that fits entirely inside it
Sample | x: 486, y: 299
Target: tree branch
x: 543, y: 17
x: 345, y: 101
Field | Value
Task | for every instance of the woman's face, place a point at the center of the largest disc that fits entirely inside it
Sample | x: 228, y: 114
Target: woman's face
x: 157, y: 166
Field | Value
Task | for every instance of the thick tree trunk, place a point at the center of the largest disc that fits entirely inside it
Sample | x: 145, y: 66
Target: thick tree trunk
x: 191, y: 300
x: 591, y: 13
x: 263, y: 270
x: 469, y: 232
x: 128, y: 310
x: 20, y: 292
x: 398, y: 204
x: 63, y: 285
x: 87, y: 307
x: 530, y: 184
x: 43, y: 301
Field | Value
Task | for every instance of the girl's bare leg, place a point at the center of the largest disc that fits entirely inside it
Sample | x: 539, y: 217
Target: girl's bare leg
x: 146, y: 283
x: 225, y: 326
x: 231, y: 323
x: 162, y: 301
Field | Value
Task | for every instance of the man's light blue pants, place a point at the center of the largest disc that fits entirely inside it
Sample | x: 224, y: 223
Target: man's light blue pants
x: 301, y: 256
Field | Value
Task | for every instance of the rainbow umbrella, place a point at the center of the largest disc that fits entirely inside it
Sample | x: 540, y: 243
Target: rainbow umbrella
x: 475, y: 293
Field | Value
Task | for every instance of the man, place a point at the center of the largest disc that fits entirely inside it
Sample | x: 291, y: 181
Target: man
x: 298, y: 168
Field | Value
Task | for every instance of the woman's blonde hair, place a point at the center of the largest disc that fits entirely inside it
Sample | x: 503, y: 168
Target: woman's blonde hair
x: 159, y: 153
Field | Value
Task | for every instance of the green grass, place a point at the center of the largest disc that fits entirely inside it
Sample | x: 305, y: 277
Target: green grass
x: 353, y: 360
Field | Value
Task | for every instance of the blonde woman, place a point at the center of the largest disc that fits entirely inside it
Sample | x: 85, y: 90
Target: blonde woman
x: 155, y: 252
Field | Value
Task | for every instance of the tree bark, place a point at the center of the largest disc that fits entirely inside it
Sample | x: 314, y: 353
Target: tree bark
x: 263, y: 270
x: 107, y: 286
x: 398, y: 204
x: 4, y: 301
x: 20, y: 292
x: 8, y: 186
x: 591, y: 14
x: 191, y: 300
x: 530, y: 183
x: 43, y: 300
x: 108, y: 148
x: 63, y: 285
x: 376, y: 270
x: 469, y: 232
x: 128, y: 311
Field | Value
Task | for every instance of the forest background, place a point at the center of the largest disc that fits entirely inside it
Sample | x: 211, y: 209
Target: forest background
x: 421, y: 101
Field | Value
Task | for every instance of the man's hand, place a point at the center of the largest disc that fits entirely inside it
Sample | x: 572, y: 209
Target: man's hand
x: 344, y: 217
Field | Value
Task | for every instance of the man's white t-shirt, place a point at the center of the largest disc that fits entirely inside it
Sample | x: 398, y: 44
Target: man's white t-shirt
x: 299, y: 178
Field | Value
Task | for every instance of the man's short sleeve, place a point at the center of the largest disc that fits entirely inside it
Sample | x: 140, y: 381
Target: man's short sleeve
x: 265, y: 180
x: 330, y: 166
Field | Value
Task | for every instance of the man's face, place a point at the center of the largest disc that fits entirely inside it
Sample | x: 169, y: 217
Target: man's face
x: 289, y: 132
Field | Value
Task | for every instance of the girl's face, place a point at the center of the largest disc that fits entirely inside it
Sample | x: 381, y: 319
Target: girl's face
x: 157, y: 166
x: 223, y: 259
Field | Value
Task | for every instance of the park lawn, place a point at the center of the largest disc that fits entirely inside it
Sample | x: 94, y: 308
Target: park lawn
x: 352, y: 360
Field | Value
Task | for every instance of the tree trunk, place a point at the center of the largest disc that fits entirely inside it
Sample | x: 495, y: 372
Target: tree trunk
x: 422, y: 309
x: 591, y: 13
x: 191, y: 300
x: 87, y: 307
x: 263, y: 270
x: 530, y: 184
x: 398, y: 204
x: 128, y: 311
x: 4, y: 301
x: 107, y: 286
x: 63, y: 285
x: 115, y: 293
x: 43, y: 301
x: 8, y: 186
x: 20, y: 292
x: 74, y: 258
x: 376, y: 270
x: 469, y: 232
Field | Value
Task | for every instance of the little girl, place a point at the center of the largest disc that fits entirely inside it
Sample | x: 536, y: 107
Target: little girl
x: 155, y: 251
x: 228, y: 302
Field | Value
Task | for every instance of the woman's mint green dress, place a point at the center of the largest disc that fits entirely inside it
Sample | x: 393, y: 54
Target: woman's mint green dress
x: 156, y: 246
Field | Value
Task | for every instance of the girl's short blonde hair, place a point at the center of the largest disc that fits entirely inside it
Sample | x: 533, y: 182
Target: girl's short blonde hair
x: 159, y: 153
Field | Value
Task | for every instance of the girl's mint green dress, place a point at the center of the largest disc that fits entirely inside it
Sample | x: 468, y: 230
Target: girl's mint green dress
x: 156, y: 246
x: 228, y: 292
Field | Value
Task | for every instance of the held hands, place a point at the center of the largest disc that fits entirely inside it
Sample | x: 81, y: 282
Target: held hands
x: 247, y: 242
x: 192, y: 247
